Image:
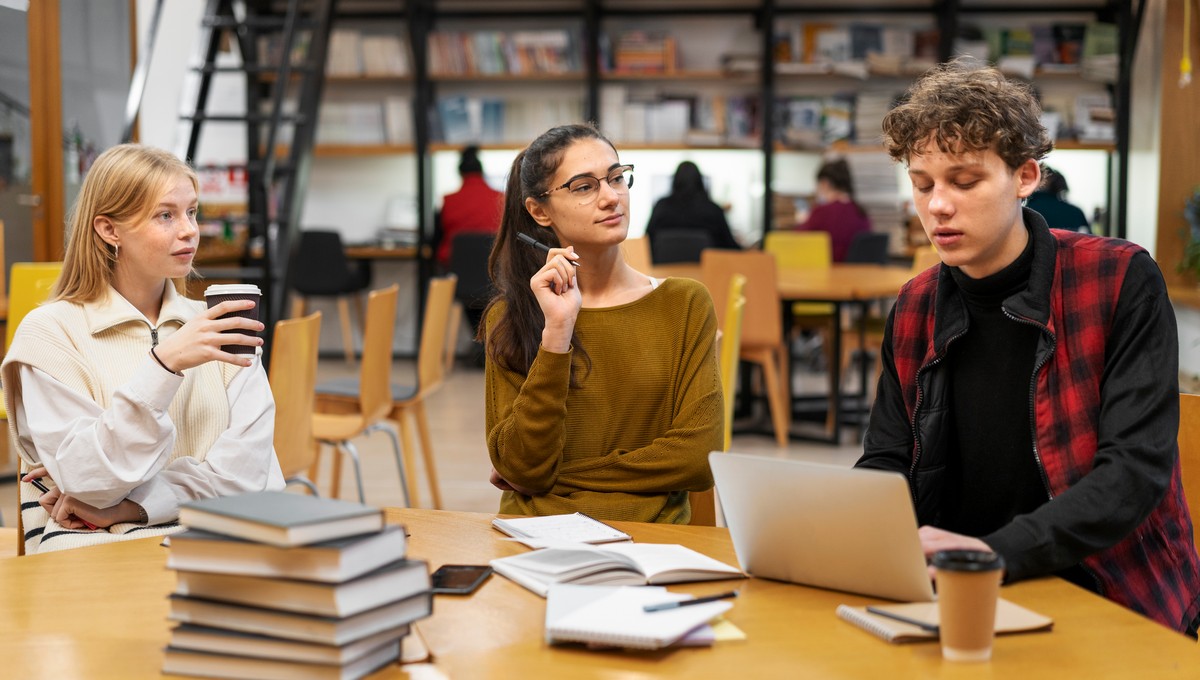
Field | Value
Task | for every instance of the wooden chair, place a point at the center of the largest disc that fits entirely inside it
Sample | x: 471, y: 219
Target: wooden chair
x: 293, y: 380
x: 30, y: 286
x: 365, y: 410
x: 762, y: 329
x: 637, y: 253
x: 704, y: 510
x: 1189, y: 451
x: 409, y: 400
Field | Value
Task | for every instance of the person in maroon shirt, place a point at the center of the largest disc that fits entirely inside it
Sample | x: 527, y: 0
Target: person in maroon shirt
x: 836, y: 211
x: 475, y: 207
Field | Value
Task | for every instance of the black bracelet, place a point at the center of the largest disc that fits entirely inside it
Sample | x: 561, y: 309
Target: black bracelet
x: 160, y: 362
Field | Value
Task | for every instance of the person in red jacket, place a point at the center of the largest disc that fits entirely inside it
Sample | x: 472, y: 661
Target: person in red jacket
x: 1030, y: 386
x: 475, y: 207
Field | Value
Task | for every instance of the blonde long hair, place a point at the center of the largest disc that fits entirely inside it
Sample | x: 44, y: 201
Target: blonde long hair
x: 124, y: 185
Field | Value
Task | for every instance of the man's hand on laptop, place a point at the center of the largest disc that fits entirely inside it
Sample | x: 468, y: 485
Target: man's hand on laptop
x: 934, y: 539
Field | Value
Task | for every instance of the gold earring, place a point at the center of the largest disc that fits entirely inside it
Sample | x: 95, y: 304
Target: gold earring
x: 116, y: 250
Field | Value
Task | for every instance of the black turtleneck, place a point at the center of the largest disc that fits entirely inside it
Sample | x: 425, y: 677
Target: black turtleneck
x: 992, y: 476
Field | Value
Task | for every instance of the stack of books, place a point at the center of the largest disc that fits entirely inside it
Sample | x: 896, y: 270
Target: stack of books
x: 280, y: 585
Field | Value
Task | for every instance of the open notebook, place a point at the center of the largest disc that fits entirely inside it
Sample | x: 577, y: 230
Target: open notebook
x: 613, y: 616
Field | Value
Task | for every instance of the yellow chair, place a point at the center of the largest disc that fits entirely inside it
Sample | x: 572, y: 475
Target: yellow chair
x: 802, y: 250
x: 410, y: 400
x: 704, y: 511
x: 336, y: 422
x: 293, y: 379
x: 637, y: 253
x: 1189, y: 451
x: 762, y: 329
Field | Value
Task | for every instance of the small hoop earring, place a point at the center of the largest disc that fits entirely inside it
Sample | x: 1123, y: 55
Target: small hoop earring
x: 116, y: 251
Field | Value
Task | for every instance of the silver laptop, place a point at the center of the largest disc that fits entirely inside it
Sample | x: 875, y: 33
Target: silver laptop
x: 822, y: 525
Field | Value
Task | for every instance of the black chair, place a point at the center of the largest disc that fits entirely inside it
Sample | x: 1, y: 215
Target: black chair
x: 321, y: 269
x: 469, y: 254
x: 868, y: 247
x: 677, y: 245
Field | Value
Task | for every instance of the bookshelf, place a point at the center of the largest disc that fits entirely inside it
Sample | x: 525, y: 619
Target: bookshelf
x: 477, y: 66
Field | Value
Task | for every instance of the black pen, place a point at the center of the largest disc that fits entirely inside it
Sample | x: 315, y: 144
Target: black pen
x: 662, y: 606
x: 539, y: 245
x: 40, y: 486
x: 927, y: 627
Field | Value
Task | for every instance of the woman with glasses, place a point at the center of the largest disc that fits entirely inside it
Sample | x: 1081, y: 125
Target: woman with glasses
x: 603, y: 393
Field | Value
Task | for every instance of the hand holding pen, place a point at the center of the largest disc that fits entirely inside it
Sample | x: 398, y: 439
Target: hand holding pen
x: 555, y: 286
x: 41, y: 486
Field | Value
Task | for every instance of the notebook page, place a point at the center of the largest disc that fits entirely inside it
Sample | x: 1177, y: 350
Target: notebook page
x: 618, y: 618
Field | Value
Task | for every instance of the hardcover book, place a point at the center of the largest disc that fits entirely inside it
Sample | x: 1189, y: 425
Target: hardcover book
x: 279, y: 518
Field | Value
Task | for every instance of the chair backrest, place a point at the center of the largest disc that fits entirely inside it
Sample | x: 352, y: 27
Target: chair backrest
x: 1189, y: 451
x: 800, y: 249
x: 321, y: 266
x: 30, y: 286
x: 293, y: 379
x: 731, y: 346
x: 924, y: 258
x: 762, y: 322
x: 868, y: 247
x: 704, y: 503
x: 375, y: 371
x: 678, y: 245
x: 469, y: 262
x: 637, y: 253
x: 431, y: 363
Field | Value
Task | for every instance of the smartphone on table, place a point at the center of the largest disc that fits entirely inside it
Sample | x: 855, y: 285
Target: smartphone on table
x: 459, y: 579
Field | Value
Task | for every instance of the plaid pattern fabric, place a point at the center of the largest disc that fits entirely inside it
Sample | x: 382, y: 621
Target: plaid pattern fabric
x: 1155, y: 570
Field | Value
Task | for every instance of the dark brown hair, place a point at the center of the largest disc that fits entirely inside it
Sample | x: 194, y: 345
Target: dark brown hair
x: 513, y: 339
x: 966, y: 107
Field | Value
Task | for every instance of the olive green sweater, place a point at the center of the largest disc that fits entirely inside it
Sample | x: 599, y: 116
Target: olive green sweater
x: 633, y: 438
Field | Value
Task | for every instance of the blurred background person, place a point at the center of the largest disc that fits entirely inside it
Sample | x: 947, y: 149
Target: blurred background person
x: 836, y: 211
x: 475, y: 207
x: 1050, y: 200
x: 687, y: 210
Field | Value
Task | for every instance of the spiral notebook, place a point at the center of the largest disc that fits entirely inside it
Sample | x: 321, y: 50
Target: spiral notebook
x: 613, y: 616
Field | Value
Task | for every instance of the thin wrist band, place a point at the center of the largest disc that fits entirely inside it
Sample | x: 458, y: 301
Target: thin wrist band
x: 160, y: 362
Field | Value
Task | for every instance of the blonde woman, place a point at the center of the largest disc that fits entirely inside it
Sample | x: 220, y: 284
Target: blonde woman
x: 122, y: 403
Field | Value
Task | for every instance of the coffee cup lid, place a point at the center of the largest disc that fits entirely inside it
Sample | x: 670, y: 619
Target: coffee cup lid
x: 967, y: 560
x: 233, y: 289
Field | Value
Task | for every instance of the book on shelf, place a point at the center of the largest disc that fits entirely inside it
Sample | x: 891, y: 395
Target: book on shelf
x: 191, y: 662
x: 303, y: 627
x: 611, y: 564
x: 384, y: 55
x: 344, y: 54
x: 1010, y: 618
x: 604, y: 616
x: 280, y: 518
x: 567, y: 528
x: 334, y: 561
x: 239, y: 643
x: 395, y: 581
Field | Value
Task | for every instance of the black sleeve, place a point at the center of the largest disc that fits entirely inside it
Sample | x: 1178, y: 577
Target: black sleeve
x: 1136, y: 440
x: 888, y: 443
x: 722, y: 236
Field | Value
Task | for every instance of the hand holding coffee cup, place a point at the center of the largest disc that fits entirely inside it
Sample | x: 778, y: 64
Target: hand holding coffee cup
x: 218, y: 293
x: 968, y: 585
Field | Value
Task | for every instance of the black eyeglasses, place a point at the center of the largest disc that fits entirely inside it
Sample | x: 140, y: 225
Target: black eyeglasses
x: 585, y: 188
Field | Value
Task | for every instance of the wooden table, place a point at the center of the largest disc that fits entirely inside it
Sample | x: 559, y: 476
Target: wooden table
x: 101, y: 613
x: 839, y: 285
x: 379, y: 252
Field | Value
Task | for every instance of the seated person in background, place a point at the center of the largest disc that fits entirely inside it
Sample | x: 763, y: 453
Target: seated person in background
x: 1050, y: 201
x: 120, y: 398
x: 475, y: 207
x: 688, y: 208
x: 1030, y: 386
x: 603, y: 392
x: 836, y: 211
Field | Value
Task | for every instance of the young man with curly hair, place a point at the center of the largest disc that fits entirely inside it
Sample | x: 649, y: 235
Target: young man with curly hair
x: 1030, y: 381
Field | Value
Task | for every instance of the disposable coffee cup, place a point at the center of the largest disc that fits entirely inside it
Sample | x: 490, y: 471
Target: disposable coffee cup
x: 218, y: 293
x: 968, y: 585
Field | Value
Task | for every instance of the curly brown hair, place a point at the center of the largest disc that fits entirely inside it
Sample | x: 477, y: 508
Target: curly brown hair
x: 967, y: 107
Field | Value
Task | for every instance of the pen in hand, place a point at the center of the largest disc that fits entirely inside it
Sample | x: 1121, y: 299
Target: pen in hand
x: 41, y: 486
x: 927, y: 627
x: 663, y: 606
x: 526, y: 238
